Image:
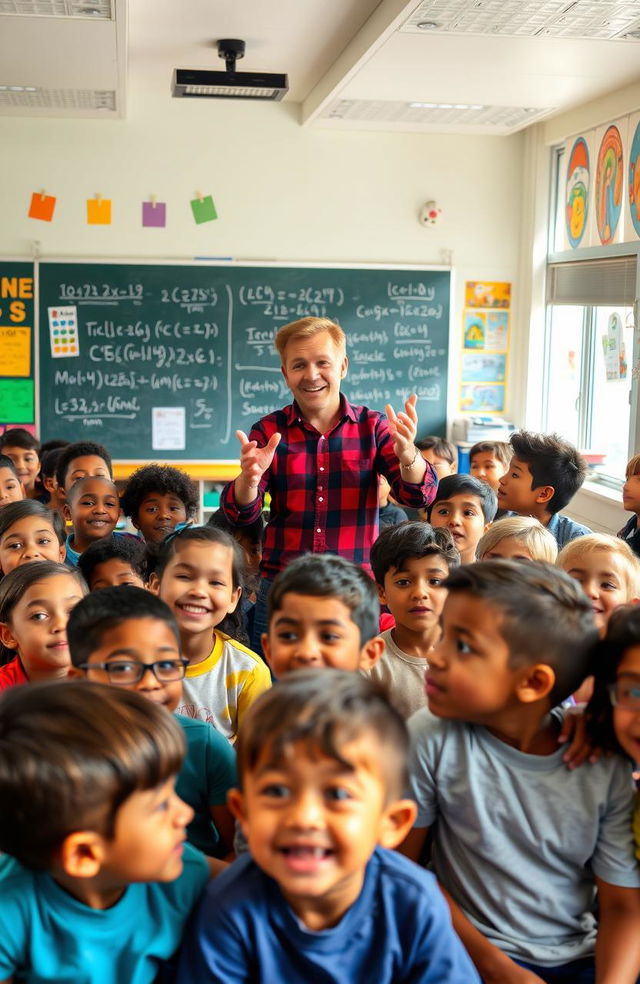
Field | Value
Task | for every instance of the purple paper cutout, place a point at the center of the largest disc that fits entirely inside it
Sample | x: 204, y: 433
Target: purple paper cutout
x: 154, y: 215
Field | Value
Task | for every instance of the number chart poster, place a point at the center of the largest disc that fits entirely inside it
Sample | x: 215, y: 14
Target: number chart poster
x: 16, y: 345
x: 485, y: 347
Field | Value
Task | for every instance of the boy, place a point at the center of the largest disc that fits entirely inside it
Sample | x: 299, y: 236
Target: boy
x: 608, y: 571
x: 440, y: 453
x: 520, y: 842
x: 321, y: 762
x: 129, y: 638
x: 466, y: 507
x: 114, y: 560
x: 93, y: 506
x: 158, y: 498
x: 410, y: 563
x: 99, y: 883
x: 83, y: 459
x: 11, y: 489
x: 322, y: 612
x: 48, y: 465
x: 631, y: 502
x: 543, y: 476
x: 24, y: 450
x: 488, y: 460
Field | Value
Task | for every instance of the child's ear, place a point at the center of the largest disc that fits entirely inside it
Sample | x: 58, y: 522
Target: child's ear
x: 66, y: 512
x: 7, y: 637
x: 63, y: 553
x: 153, y: 584
x: 235, y: 802
x: 82, y: 854
x: 264, y: 642
x: 49, y: 483
x: 75, y: 673
x: 382, y: 598
x: 398, y: 819
x: 536, y: 683
x: 545, y: 493
x: 234, y: 604
x: 371, y: 653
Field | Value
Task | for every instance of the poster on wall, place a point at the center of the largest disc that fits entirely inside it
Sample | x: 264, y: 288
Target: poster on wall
x: 632, y: 226
x: 578, y: 155
x: 482, y: 398
x: 16, y: 344
x: 615, y: 358
x: 609, y: 185
x: 487, y: 294
x: 485, y: 346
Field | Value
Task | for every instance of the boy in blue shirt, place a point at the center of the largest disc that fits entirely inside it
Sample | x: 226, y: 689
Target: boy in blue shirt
x: 97, y: 882
x: 321, y: 763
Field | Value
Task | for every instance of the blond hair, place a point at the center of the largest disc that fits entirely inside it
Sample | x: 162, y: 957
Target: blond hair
x: 633, y: 466
x: 527, y: 530
x: 582, y: 546
x: 307, y: 328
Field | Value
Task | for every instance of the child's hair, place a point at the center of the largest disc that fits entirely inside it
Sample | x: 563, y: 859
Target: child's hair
x: 410, y: 540
x: 77, y: 489
x: 254, y: 532
x: 6, y: 462
x: 49, y: 462
x: 623, y: 632
x: 18, y: 437
x: 103, y: 610
x: 163, y: 479
x: 329, y: 576
x: 545, y: 617
x: 80, y: 449
x: 16, y: 511
x: 581, y: 546
x: 325, y: 709
x: 459, y: 484
x: 633, y: 466
x: 232, y: 623
x: 307, y: 328
x: 541, y: 544
x: 20, y: 579
x: 129, y: 549
x: 56, y: 444
x: 71, y: 753
x: 499, y: 449
x: 440, y: 447
x: 552, y: 461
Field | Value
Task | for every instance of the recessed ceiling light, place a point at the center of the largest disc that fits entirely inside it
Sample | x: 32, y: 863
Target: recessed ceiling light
x: 461, y: 106
x: 427, y: 25
x: 632, y: 35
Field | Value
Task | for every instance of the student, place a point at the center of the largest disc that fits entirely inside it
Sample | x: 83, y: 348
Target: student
x: 440, y: 453
x: 250, y: 538
x: 83, y: 459
x: 410, y: 563
x: 520, y: 842
x: 518, y: 538
x: 114, y: 560
x: 544, y: 475
x: 489, y: 460
x: 93, y: 506
x: 48, y: 465
x: 29, y: 531
x: 96, y: 884
x: 157, y: 498
x: 199, y: 575
x: 319, y: 458
x: 129, y: 638
x: 466, y: 507
x: 11, y: 489
x: 631, y: 502
x: 608, y: 571
x: 322, y: 612
x: 35, y: 602
x: 321, y: 761
x: 24, y: 450
x: 390, y: 514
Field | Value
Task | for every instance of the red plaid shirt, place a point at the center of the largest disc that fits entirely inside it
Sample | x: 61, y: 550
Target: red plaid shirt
x: 324, y: 487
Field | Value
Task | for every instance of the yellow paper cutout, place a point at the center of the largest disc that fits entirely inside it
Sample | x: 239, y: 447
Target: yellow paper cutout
x: 15, y: 350
x: 99, y: 211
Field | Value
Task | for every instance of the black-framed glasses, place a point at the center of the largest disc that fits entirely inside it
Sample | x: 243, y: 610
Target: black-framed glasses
x: 124, y: 672
x: 625, y: 694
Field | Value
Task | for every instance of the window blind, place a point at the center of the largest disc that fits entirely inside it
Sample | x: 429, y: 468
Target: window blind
x: 600, y: 282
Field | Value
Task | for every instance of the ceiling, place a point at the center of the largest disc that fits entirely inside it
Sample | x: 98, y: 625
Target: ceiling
x: 464, y: 66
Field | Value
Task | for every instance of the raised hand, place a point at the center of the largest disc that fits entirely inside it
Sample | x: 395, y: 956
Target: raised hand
x: 404, y: 427
x: 254, y: 460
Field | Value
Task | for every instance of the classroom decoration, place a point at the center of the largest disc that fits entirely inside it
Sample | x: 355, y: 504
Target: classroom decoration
x: 42, y: 206
x: 633, y: 178
x: 63, y: 332
x: 15, y: 350
x: 154, y: 214
x: 176, y: 358
x: 577, y: 192
x: 203, y: 209
x: 16, y: 343
x: 99, y: 211
x: 485, y: 346
x: 16, y: 401
x: 608, y: 187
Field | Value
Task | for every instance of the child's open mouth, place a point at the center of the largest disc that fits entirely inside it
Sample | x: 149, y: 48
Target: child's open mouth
x: 303, y: 858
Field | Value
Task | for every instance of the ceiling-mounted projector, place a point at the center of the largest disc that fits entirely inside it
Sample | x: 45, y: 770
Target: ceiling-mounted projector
x: 193, y: 83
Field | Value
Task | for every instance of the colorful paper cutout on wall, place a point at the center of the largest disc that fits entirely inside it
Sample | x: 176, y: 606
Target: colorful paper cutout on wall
x: 31, y: 428
x: 483, y: 367
x: 15, y: 350
x: 99, y: 211
x: 203, y: 209
x: 480, y: 398
x: 577, y: 192
x: 154, y: 214
x: 608, y: 188
x: 63, y: 332
x: 634, y: 179
x: 487, y: 294
x: 475, y: 329
x: 16, y: 401
x: 497, y: 337
x: 42, y: 206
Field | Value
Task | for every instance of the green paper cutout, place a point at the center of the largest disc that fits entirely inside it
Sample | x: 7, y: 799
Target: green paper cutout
x: 16, y: 401
x: 203, y: 209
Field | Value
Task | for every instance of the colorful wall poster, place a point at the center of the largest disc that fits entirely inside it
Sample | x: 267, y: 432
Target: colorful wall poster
x: 482, y: 398
x: 497, y: 337
x: 615, y: 357
x: 63, y: 331
x: 632, y: 228
x: 16, y: 401
x: 16, y: 343
x: 483, y: 367
x: 609, y: 185
x: 15, y: 350
x: 576, y: 191
x: 475, y: 329
x: 487, y: 294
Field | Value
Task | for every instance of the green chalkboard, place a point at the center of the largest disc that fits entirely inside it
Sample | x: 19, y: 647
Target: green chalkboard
x: 168, y: 361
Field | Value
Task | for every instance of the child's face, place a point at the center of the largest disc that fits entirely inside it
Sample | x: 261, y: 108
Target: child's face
x: 143, y: 641
x: 626, y: 714
x: 112, y: 573
x: 251, y: 549
x: 603, y: 578
x: 631, y: 494
x: 10, y: 488
x: 462, y: 515
x: 94, y: 511
x: 38, y: 625
x: 31, y: 538
x: 514, y: 489
x: 158, y: 515
x: 197, y: 584
x: 414, y: 594
x: 86, y: 466
x: 383, y: 491
x: 312, y: 823
x: 27, y: 464
x: 309, y: 632
x: 441, y: 466
x: 486, y: 466
x: 510, y: 548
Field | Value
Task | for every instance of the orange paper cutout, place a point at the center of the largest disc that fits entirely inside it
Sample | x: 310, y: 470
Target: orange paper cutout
x: 99, y: 211
x: 42, y: 206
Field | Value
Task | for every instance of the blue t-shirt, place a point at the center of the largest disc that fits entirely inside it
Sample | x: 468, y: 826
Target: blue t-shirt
x: 48, y: 935
x: 207, y: 774
x: 398, y: 930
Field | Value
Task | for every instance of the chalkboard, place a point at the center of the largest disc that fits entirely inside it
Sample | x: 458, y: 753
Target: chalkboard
x: 170, y: 360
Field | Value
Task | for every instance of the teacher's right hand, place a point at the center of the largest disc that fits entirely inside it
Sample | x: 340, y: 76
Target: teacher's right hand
x: 254, y: 461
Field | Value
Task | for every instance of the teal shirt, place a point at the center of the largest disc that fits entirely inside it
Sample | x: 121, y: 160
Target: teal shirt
x: 48, y: 935
x: 208, y: 772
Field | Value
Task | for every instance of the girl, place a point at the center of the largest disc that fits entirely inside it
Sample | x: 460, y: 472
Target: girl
x: 157, y: 499
x: 10, y: 485
x: 518, y: 537
x: 608, y: 571
x: 35, y: 602
x: 199, y: 574
x: 29, y: 531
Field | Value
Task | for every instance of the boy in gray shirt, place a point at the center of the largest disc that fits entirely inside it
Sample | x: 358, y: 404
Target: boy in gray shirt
x: 520, y: 843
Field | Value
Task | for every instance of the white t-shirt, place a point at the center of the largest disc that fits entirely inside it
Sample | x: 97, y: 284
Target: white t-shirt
x: 402, y: 675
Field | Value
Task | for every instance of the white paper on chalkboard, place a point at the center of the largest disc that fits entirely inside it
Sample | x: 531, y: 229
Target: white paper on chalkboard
x: 168, y: 428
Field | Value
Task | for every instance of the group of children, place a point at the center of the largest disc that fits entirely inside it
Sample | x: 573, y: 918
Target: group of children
x: 441, y: 737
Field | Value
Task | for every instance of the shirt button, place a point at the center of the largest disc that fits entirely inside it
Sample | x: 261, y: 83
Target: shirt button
x: 320, y: 499
x: 321, y: 468
x: 318, y: 531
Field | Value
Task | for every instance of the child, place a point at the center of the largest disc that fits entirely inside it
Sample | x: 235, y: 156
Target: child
x: 322, y: 612
x: 199, y: 575
x: 440, y: 453
x: 84, y: 459
x: 520, y: 538
x: 35, y: 602
x: 520, y: 842
x: 114, y: 560
x: 93, y: 506
x: 321, y: 760
x: 48, y: 465
x: 24, y: 450
x: 250, y: 538
x: 543, y: 476
x: 466, y: 507
x: 410, y: 562
x: 390, y: 513
x: 157, y: 498
x: 631, y: 502
x: 11, y: 489
x: 488, y: 460
x: 129, y: 638
x: 99, y: 883
x: 29, y: 531
x: 608, y: 571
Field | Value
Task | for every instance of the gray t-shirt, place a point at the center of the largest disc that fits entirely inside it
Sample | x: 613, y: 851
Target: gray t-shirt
x: 402, y: 675
x: 518, y: 838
